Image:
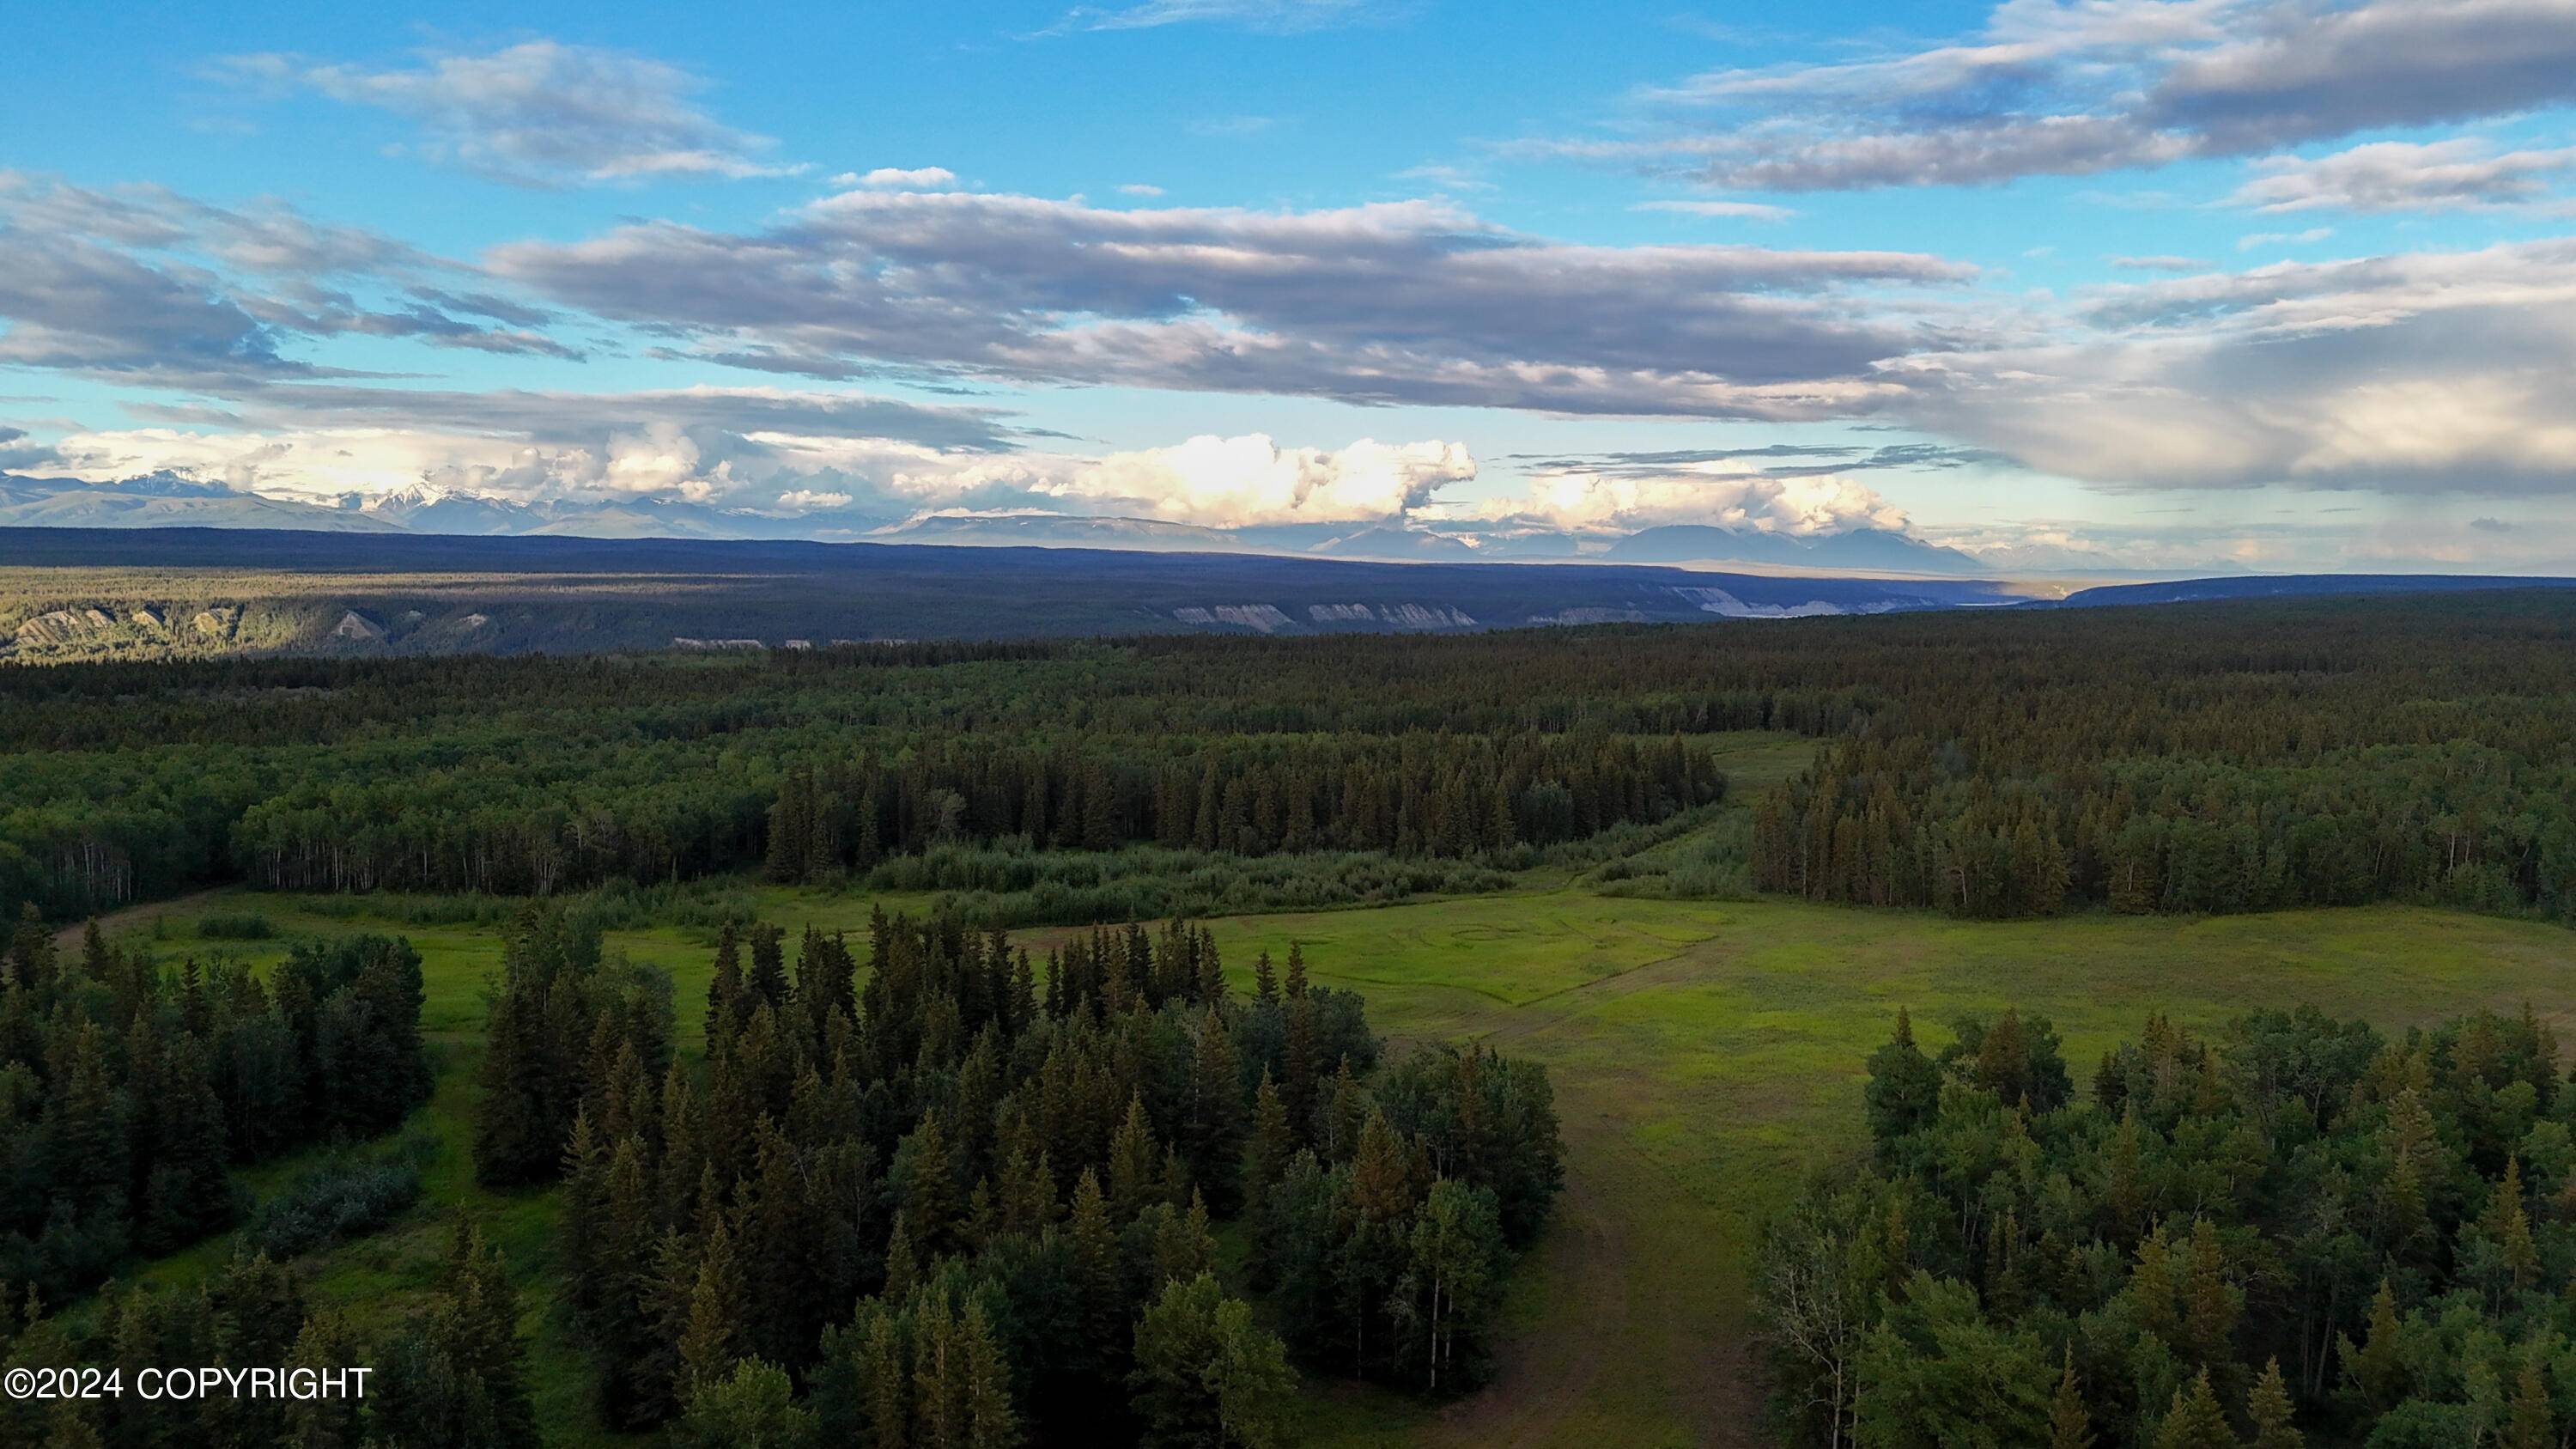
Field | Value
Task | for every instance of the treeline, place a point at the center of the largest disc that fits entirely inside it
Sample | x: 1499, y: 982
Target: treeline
x: 2213, y: 759
x: 973, y: 1201
x: 1882, y: 822
x: 2304, y: 1232
x: 127, y: 1093
x: 2189, y: 758
x: 1412, y: 795
x: 530, y: 776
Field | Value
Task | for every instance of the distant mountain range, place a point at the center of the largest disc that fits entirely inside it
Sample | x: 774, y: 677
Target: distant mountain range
x: 134, y: 592
x: 2297, y: 586
x: 166, y: 501
x: 1860, y: 549
x: 71, y: 593
x: 160, y: 500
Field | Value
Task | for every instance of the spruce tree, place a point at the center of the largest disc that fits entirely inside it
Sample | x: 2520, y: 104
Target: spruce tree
x: 766, y: 983
x: 2268, y: 1406
x: 1133, y: 1163
x: 724, y: 990
x: 902, y: 1260
x: 1213, y: 1134
x: 713, y: 1338
x: 1096, y: 1267
x: 1274, y: 1142
x: 2531, y: 1423
x: 2070, y: 1424
x: 2195, y: 1421
x: 931, y: 1202
x: 985, y: 1384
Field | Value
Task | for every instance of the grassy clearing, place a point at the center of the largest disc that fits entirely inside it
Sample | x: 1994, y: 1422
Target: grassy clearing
x: 1707, y: 1055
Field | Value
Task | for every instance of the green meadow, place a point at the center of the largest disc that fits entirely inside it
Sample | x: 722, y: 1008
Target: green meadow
x: 1706, y: 1056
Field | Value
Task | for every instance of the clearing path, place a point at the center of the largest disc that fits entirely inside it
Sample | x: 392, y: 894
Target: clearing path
x: 1707, y: 1056
x: 1626, y: 1346
x: 131, y: 917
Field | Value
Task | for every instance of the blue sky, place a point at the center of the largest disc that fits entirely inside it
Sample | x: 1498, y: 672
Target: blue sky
x: 2102, y: 283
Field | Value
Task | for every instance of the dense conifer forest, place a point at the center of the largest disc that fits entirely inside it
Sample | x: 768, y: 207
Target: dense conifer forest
x: 2304, y: 1231
x: 959, y: 1197
x: 2193, y: 758
x: 126, y: 1093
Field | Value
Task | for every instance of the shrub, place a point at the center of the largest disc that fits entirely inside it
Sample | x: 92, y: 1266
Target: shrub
x: 236, y: 926
x: 345, y: 1195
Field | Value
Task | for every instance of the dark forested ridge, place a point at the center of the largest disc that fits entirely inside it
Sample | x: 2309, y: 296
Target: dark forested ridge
x: 2219, y: 757
x: 68, y: 594
x: 2298, y: 586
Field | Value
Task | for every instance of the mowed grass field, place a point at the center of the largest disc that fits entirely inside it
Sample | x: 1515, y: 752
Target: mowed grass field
x: 1706, y: 1056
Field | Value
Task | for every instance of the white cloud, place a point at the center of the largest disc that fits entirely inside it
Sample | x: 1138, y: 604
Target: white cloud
x: 1236, y: 482
x: 1140, y: 188
x: 2456, y: 174
x: 1212, y: 481
x: 805, y: 499
x: 2439, y: 372
x: 1740, y: 210
x: 1416, y: 301
x: 2079, y: 87
x: 2260, y: 239
x: 919, y: 178
x: 540, y: 112
x: 1728, y: 492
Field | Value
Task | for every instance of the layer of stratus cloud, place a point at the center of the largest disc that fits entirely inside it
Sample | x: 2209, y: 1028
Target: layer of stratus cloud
x: 1406, y: 302
x: 2095, y: 86
x: 2429, y: 372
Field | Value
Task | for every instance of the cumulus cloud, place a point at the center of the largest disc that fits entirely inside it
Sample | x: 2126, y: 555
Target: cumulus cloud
x: 2079, y: 87
x: 2456, y: 174
x: 540, y: 113
x: 808, y: 499
x: 1395, y: 302
x: 675, y: 448
x: 1238, y: 482
x: 1720, y: 493
x: 2157, y: 264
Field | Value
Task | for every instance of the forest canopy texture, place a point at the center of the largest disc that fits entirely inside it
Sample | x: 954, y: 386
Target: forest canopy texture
x: 2187, y: 758
x: 917, y: 1190
x: 2301, y: 1231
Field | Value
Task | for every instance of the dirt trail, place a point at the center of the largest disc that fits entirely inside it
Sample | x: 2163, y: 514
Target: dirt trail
x: 1553, y: 1375
x: 69, y: 937
x: 1559, y: 1007
x: 1544, y: 1376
